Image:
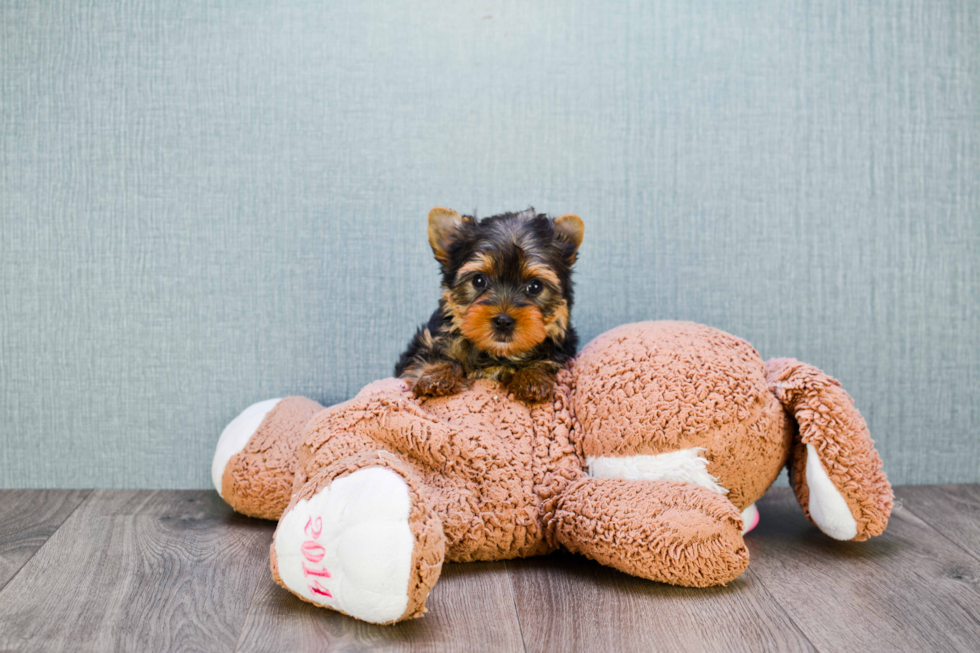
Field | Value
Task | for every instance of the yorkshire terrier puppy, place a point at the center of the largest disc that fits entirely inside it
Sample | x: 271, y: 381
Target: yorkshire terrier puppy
x: 504, y: 312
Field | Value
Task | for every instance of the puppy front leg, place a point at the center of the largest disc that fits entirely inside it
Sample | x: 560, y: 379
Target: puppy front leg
x: 439, y: 379
x: 533, y: 384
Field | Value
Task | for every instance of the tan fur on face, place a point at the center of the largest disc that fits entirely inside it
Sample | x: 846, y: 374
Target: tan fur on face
x: 529, y: 330
x: 557, y: 323
x: 482, y: 263
x: 542, y: 272
x: 532, y: 327
x: 453, y: 310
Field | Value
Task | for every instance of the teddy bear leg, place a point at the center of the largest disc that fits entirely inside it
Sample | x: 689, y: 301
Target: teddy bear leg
x: 834, y: 467
x: 255, y: 457
x: 381, y: 420
x: 668, y: 531
x: 750, y: 519
x: 361, y: 537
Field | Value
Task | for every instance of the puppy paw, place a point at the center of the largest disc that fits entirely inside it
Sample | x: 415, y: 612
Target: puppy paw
x: 439, y: 380
x: 532, y: 386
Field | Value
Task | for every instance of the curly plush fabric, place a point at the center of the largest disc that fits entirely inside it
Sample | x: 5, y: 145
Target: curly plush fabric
x: 669, y: 386
x: 829, y: 422
x: 258, y: 480
x: 683, y: 427
x: 487, y: 467
x: 670, y: 532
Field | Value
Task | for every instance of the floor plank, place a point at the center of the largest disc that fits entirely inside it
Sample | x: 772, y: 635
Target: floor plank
x: 138, y: 571
x: 27, y: 520
x: 953, y: 510
x: 471, y: 608
x: 569, y: 603
x: 907, y: 590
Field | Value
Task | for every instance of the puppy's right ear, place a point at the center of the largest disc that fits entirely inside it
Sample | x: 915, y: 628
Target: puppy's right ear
x: 443, y: 225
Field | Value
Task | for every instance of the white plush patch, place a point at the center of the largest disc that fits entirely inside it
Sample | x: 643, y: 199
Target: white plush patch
x: 827, y: 506
x: 682, y: 465
x: 236, y: 435
x: 350, y: 546
x: 750, y: 518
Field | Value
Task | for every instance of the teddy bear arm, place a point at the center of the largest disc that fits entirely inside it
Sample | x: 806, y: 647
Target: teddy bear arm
x: 255, y: 459
x: 667, y: 531
x: 834, y: 466
x: 385, y: 421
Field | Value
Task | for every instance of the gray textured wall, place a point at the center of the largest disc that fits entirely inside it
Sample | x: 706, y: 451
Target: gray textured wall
x: 204, y: 206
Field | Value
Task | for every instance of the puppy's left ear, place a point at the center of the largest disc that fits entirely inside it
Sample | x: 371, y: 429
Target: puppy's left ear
x: 571, y: 229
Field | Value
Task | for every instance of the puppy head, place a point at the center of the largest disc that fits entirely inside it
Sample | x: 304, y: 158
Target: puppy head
x: 506, y: 279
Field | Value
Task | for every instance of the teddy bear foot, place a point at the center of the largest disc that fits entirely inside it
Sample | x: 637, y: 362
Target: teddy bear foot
x: 236, y: 435
x: 750, y: 519
x: 265, y: 436
x: 834, y: 467
x: 351, y: 547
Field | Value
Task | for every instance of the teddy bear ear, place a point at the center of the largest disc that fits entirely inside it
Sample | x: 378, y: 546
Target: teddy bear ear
x: 571, y: 228
x: 443, y: 226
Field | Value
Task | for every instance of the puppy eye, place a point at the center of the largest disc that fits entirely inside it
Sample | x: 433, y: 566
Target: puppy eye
x: 534, y: 288
x: 480, y: 281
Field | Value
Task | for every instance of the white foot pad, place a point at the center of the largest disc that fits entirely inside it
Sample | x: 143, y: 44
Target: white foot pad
x: 349, y: 547
x: 750, y: 518
x: 827, y: 506
x: 236, y: 435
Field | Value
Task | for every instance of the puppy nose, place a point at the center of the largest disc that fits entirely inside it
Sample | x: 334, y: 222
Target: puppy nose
x: 503, y: 323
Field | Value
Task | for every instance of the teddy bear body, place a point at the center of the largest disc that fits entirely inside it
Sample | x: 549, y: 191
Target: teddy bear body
x: 660, y: 438
x: 489, y: 464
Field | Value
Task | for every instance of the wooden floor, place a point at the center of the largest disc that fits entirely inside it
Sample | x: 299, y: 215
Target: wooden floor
x: 146, y: 571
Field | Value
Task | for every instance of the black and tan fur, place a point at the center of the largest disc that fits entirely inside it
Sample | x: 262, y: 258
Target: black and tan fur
x: 504, y: 312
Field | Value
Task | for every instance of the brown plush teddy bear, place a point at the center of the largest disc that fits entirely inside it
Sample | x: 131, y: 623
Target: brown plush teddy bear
x: 659, y: 440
